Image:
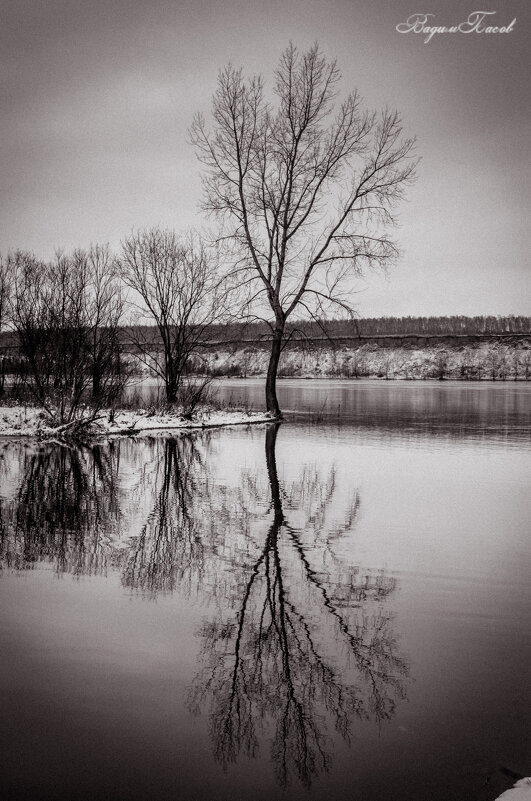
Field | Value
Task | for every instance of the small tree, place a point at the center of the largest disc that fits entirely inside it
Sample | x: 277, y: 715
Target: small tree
x: 104, y: 309
x: 493, y: 361
x: 516, y: 363
x: 526, y: 363
x: 5, y: 297
x: 177, y: 287
x: 305, y: 198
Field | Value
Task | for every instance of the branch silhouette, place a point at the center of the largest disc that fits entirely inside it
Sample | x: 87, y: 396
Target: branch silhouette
x: 279, y: 670
x: 170, y: 551
x: 66, y: 509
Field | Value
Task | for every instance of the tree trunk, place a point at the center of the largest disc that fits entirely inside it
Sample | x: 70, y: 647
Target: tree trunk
x: 271, y: 380
x: 171, y: 391
x: 170, y: 378
x: 96, y: 382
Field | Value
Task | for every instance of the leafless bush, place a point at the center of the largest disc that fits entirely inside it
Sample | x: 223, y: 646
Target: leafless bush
x: 194, y: 393
x: 66, y: 314
x: 176, y: 285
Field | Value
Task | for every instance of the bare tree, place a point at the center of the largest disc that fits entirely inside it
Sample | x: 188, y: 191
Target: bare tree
x: 5, y: 296
x: 305, y: 197
x: 104, y: 309
x: 178, y: 288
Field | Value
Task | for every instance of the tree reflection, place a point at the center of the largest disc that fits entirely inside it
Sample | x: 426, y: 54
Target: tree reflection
x: 301, y: 645
x: 305, y: 645
x: 66, y: 509
x: 72, y: 508
x: 169, y: 550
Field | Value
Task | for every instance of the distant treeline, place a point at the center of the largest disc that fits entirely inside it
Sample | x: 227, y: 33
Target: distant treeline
x: 456, y: 324
x: 336, y: 329
x: 380, y: 326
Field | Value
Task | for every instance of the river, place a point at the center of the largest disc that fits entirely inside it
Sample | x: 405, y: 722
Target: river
x: 336, y: 607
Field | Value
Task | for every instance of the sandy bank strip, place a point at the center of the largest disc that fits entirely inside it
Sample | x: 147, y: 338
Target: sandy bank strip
x: 18, y: 421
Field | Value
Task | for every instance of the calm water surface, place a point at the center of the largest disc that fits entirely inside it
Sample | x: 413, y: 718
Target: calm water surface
x: 336, y: 608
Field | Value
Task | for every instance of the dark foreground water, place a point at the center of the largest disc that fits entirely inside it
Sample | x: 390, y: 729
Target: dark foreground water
x: 337, y: 608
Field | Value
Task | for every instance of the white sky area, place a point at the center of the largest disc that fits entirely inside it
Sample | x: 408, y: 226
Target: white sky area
x: 96, y: 100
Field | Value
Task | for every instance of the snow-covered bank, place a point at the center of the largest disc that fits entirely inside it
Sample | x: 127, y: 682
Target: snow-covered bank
x: 521, y: 791
x: 21, y: 421
x: 476, y: 361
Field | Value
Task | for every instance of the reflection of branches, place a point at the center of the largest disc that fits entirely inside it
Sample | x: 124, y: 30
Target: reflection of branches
x: 66, y: 508
x: 277, y: 666
x: 169, y: 547
x: 302, y: 643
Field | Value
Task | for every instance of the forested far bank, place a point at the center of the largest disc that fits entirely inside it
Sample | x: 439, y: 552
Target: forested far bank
x: 332, y: 331
x: 365, y: 327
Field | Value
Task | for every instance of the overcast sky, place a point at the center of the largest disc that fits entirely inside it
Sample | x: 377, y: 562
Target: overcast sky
x: 97, y: 96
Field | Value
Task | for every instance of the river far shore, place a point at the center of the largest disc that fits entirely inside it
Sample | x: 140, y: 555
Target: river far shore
x: 483, y: 361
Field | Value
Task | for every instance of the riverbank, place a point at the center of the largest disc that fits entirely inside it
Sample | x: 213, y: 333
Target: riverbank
x: 27, y: 421
x: 479, y: 361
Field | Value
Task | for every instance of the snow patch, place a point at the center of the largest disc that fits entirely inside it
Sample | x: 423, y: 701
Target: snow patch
x: 521, y: 791
x: 19, y: 421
